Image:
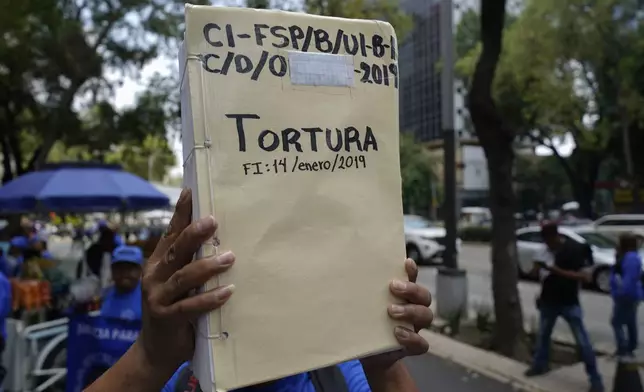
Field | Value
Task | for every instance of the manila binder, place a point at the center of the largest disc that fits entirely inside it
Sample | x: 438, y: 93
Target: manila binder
x: 290, y: 139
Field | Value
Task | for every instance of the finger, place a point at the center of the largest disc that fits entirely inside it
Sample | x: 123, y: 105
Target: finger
x: 179, y: 222
x: 195, y: 306
x: 194, y: 275
x: 411, y: 292
x: 183, y: 249
x: 413, y: 343
x: 412, y: 270
x: 419, y: 316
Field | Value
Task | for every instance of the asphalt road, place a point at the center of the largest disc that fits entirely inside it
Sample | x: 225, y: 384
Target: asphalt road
x: 475, y: 259
x: 433, y: 374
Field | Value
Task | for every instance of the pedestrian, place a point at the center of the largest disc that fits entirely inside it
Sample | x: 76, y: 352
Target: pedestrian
x: 15, y: 257
x: 5, y: 312
x: 97, y: 257
x: 561, y: 268
x: 626, y: 290
x: 167, y: 338
x: 123, y: 299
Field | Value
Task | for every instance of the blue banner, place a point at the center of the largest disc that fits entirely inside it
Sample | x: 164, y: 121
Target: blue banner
x: 93, y: 345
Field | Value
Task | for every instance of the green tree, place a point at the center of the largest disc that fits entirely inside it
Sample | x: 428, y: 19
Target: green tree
x: 56, y: 55
x: 259, y: 4
x: 540, y: 182
x: 388, y: 10
x: 569, y: 67
x: 497, y: 139
x: 419, y: 183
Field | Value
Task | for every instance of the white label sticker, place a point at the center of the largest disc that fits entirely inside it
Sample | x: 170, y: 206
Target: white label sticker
x: 321, y: 69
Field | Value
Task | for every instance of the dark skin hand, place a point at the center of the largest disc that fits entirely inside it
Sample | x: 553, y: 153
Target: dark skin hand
x: 385, y: 372
x: 167, y: 336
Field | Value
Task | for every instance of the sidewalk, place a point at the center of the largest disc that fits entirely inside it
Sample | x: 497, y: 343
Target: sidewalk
x: 506, y: 371
x: 435, y: 374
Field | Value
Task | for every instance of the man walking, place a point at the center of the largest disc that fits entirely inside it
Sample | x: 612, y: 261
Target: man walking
x: 560, y: 267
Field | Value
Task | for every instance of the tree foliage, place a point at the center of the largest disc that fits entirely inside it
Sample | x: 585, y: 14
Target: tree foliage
x: 572, y: 67
x: 419, y: 183
x: 61, y: 62
x: 388, y: 10
x: 541, y: 183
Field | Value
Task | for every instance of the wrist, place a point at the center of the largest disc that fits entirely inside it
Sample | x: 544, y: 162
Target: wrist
x: 151, y: 365
x: 386, y: 378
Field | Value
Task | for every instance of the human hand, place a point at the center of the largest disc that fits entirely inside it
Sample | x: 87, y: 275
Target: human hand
x: 169, y: 276
x: 415, y: 312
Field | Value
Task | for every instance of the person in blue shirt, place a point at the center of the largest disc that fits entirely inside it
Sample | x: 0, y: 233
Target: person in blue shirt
x: 11, y: 264
x: 352, y: 373
x: 5, y: 311
x: 123, y: 299
x: 171, y: 308
x: 626, y: 291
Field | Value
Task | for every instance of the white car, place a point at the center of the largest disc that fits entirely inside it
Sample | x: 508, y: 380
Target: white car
x: 620, y: 223
x: 425, y: 241
x: 529, y: 243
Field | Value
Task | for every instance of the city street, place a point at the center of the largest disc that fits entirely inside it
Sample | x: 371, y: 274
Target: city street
x: 432, y: 373
x: 476, y: 260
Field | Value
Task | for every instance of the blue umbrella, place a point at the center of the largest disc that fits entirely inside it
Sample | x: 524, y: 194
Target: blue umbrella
x: 80, y: 187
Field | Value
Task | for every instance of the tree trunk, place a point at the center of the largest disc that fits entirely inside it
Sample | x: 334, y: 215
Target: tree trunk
x: 7, y: 170
x: 497, y: 142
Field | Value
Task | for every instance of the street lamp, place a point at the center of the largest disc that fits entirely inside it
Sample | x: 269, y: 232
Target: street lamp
x: 451, y: 283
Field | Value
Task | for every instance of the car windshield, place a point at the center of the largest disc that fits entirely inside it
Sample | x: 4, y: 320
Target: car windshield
x: 417, y: 222
x: 599, y: 240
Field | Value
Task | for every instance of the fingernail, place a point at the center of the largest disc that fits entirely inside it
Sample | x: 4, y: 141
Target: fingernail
x: 399, y: 285
x: 397, y: 310
x: 401, y: 333
x: 205, y: 224
x: 224, y: 292
x: 226, y: 259
x: 184, y: 194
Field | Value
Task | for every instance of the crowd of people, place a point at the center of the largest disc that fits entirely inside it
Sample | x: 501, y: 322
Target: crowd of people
x: 561, y: 268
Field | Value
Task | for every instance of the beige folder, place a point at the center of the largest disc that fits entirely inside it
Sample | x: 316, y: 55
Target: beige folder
x: 290, y: 139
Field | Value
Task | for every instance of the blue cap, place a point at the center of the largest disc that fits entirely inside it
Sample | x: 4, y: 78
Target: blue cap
x: 127, y: 254
x: 118, y: 240
x: 19, y: 242
x: 102, y: 223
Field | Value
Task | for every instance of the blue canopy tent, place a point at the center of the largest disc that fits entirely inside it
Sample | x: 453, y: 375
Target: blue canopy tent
x: 80, y: 187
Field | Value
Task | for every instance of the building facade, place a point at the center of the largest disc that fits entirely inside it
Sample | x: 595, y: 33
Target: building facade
x: 420, y: 79
x: 420, y: 97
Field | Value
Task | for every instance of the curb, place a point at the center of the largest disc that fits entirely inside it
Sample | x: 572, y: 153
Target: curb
x: 449, y: 349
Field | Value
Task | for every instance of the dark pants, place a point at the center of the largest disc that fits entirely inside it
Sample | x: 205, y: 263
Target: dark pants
x: 573, y: 316
x: 3, y: 371
x: 624, y: 323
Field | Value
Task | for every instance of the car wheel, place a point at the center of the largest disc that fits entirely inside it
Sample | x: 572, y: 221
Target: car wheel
x: 414, y: 254
x: 601, y: 279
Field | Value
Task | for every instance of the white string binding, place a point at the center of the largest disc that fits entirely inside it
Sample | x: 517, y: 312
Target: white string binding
x: 214, y: 241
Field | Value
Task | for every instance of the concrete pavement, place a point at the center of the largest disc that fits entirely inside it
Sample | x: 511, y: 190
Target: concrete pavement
x: 506, y: 374
x: 435, y: 374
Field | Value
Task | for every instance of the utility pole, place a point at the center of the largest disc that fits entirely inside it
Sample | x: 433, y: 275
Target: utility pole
x: 451, y: 283
x: 450, y: 214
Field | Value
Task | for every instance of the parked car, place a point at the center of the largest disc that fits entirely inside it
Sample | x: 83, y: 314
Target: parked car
x: 425, y: 241
x: 620, y: 223
x: 529, y: 243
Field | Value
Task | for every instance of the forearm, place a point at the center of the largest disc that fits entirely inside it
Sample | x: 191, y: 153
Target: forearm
x: 574, y: 275
x: 395, y: 379
x: 132, y: 373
